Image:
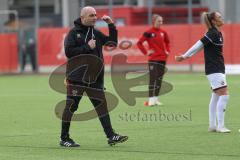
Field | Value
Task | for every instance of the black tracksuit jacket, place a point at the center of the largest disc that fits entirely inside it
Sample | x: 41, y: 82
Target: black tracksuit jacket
x: 85, y: 65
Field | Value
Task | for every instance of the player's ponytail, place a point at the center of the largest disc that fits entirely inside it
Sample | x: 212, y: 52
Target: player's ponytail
x: 207, y: 18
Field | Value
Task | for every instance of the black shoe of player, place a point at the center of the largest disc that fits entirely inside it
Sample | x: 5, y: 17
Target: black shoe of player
x: 68, y: 142
x: 116, y: 138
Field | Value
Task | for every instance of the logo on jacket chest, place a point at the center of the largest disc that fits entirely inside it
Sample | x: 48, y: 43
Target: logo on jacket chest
x: 162, y: 34
x: 78, y: 35
x: 153, y: 35
x: 220, y: 39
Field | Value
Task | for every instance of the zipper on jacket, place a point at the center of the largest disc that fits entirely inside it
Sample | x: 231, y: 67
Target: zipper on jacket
x: 87, y: 35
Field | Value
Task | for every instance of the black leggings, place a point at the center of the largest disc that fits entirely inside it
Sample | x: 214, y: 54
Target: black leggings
x: 156, y: 72
x: 99, y: 102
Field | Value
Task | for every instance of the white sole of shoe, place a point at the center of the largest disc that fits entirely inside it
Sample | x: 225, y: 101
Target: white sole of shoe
x: 219, y: 131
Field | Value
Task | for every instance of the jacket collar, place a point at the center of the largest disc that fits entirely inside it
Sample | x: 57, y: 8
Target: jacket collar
x: 79, y: 26
x: 156, y: 29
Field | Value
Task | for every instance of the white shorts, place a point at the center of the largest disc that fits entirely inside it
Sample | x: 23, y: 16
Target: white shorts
x: 217, y: 80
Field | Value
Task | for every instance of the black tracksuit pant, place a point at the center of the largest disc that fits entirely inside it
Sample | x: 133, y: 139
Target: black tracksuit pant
x: 97, y: 98
x: 156, y: 72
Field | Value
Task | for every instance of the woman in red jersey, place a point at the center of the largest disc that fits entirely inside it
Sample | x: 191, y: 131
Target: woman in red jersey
x: 157, y: 52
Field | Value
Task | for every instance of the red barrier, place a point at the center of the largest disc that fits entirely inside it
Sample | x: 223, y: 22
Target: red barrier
x: 9, y: 52
x: 51, y: 51
x: 51, y: 46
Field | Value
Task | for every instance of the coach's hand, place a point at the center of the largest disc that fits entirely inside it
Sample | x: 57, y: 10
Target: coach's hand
x: 167, y: 53
x: 65, y: 82
x: 179, y: 58
x: 92, y: 43
x: 107, y: 19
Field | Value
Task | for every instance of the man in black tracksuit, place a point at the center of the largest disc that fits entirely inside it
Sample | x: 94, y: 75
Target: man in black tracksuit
x: 85, y: 72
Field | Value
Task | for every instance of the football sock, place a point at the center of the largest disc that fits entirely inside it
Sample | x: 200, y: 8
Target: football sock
x: 151, y: 101
x: 156, y: 99
x: 213, y: 110
x: 221, y: 107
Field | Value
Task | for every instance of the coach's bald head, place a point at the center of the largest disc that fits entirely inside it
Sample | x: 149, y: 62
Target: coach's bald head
x: 88, y: 16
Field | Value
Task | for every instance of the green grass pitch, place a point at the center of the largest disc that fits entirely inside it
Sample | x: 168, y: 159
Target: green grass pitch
x: 30, y: 130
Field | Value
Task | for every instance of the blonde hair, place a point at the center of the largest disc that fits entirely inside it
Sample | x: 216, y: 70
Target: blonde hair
x: 207, y: 19
x: 154, y: 17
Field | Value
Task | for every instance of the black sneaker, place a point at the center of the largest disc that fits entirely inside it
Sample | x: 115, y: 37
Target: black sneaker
x: 116, y: 138
x: 68, y: 142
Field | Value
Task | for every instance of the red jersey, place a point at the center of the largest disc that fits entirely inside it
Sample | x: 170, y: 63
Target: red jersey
x: 158, y: 41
